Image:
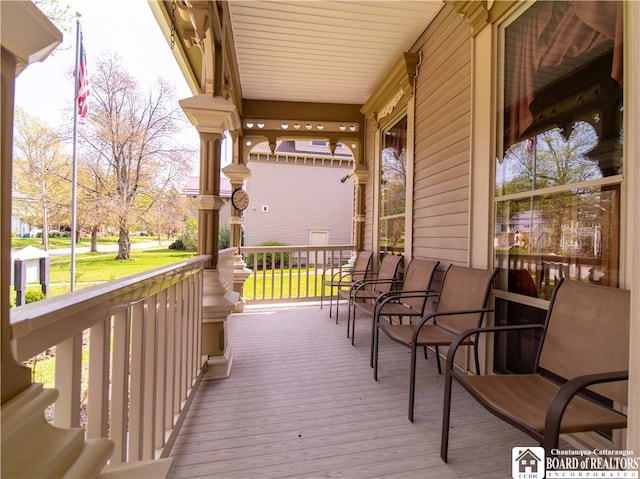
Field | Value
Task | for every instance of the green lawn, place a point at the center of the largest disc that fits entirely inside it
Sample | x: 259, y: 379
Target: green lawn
x: 92, y: 268
x: 283, y: 286
x: 99, y: 267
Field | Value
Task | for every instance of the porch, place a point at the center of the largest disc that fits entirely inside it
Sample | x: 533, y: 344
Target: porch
x: 302, y: 402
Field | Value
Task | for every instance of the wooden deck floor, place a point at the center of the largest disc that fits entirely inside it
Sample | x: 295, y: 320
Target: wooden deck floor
x: 302, y: 402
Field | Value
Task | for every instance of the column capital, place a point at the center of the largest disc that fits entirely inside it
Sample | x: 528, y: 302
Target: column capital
x: 360, y: 174
x: 208, y: 202
x: 237, y: 172
x: 211, y: 114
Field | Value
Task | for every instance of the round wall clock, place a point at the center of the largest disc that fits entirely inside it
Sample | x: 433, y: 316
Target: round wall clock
x: 239, y: 199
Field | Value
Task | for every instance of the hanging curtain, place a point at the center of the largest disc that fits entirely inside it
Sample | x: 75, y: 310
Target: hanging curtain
x: 551, y: 34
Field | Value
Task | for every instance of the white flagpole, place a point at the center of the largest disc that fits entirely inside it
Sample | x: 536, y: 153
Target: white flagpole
x: 74, y: 163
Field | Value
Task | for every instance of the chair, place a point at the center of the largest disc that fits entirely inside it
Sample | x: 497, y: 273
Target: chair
x: 585, y: 344
x: 408, y: 301
x: 461, y: 305
x: 345, y: 278
x: 371, y: 289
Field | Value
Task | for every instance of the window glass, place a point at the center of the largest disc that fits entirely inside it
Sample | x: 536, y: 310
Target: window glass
x: 570, y: 234
x: 393, y: 187
x: 559, y: 176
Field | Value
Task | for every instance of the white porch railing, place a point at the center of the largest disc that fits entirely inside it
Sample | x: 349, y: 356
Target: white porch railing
x: 144, y: 340
x: 290, y: 273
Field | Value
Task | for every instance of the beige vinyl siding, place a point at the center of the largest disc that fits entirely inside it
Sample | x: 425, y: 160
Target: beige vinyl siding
x: 442, y: 140
x: 298, y: 199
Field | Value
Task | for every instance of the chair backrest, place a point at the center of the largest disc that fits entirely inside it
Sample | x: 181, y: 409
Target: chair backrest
x: 417, y: 277
x: 464, y: 289
x: 437, y: 280
x: 388, y: 271
x: 362, y: 267
x: 587, y: 332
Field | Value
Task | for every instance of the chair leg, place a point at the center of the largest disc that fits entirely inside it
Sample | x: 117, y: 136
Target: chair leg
x: 330, y: 301
x: 349, y: 316
x: 438, y: 360
x: 353, y: 326
x: 425, y: 352
x: 475, y: 354
x: 375, y: 348
x: 373, y: 337
x: 412, y: 381
x: 446, y: 416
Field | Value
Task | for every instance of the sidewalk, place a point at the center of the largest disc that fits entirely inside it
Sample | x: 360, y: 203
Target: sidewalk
x: 106, y: 248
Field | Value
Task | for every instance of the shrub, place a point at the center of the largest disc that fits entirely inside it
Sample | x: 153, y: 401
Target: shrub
x: 224, y: 238
x: 177, y: 244
x: 269, y: 260
x: 33, y: 295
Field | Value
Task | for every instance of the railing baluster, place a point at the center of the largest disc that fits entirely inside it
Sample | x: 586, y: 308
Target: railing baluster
x: 68, y: 382
x: 172, y: 383
x: 136, y: 390
x: 161, y: 425
x: 99, y: 380
x: 149, y: 379
x: 120, y: 385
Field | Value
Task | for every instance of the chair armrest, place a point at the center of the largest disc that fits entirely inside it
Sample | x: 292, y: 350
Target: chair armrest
x: 360, y: 284
x: 566, y: 393
x: 349, y: 276
x: 432, y: 316
x: 338, y: 276
x: 395, y: 295
x: 455, y: 344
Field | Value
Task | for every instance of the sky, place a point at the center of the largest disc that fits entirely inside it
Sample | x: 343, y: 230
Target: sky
x: 128, y: 27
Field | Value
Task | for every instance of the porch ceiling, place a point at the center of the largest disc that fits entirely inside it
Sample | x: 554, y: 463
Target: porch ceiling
x: 322, y: 51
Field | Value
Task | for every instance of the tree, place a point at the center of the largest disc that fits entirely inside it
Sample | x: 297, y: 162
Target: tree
x: 60, y: 14
x: 393, y: 188
x: 128, y: 137
x: 166, y: 213
x: 41, y: 178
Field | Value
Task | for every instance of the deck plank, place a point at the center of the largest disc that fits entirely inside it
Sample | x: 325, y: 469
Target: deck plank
x: 301, y: 402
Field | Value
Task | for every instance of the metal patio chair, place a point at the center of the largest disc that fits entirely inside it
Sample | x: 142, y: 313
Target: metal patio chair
x: 345, y: 278
x: 461, y: 305
x: 584, y: 349
x: 370, y: 289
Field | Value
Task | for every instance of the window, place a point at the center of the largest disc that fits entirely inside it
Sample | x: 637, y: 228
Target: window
x: 558, y: 180
x: 393, y: 188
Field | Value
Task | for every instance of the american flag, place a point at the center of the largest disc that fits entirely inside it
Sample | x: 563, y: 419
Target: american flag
x: 83, y: 82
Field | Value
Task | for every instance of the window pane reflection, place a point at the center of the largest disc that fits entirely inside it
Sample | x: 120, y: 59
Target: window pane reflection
x: 551, y: 159
x: 392, y: 235
x: 572, y: 234
x: 393, y: 187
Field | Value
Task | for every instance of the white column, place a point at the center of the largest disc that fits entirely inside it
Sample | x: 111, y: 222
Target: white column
x: 212, y: 116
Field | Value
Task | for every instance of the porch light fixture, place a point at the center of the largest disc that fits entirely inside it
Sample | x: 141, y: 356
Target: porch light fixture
x: 354, y: 146
x: 296, y: 126
x: 320, y: 126
x: 342, y: 127
x: 248, y: 143
x: 308, y: 126
x: 284, y: 125
x: 352, y: 127
x: 249, y: 124
x: 260, y: 124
